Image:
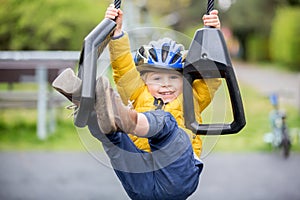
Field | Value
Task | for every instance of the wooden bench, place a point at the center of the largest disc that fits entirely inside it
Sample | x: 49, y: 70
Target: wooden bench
x: 41, y: 68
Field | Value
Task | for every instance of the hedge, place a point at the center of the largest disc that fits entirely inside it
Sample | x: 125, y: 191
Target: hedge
x: 258, y: 48
x: 285, y: 37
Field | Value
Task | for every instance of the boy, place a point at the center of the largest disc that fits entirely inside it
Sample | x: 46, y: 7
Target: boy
x: 152, y: 153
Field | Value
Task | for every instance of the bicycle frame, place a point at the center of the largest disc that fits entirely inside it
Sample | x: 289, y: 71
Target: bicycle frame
x: 280, y: 135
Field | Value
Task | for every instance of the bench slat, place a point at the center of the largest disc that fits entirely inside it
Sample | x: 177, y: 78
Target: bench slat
x: 28, y: 99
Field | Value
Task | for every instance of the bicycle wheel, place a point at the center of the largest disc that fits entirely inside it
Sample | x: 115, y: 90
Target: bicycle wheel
x: 285, y: 144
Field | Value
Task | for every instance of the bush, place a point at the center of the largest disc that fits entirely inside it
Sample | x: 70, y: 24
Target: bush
x: 258, y: 48
x: 285, y: 40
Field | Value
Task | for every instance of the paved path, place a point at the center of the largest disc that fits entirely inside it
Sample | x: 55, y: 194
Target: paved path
x: 268, y: 80
x: 78, y: 176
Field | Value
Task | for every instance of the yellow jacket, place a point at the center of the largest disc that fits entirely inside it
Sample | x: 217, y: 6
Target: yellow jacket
x: 132, y: 88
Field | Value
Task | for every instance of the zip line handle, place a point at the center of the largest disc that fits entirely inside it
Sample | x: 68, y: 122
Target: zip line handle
x: 93, y: 46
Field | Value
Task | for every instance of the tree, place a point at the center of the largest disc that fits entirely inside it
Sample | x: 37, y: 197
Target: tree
x: 47, y: 24
x: 249, y: 20
x: 253, y: 19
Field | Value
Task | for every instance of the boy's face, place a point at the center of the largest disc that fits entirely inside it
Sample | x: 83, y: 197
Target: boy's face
x: 163, y: 85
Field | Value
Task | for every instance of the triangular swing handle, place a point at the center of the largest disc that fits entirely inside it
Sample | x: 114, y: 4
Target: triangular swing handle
x: 93, y: 46
x: 208, y: 58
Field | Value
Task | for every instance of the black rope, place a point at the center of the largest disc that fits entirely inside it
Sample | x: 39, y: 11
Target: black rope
x: 117, y: 4
x: 210, y: 6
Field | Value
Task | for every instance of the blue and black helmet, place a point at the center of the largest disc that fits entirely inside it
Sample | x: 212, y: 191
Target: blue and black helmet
x: 162, y: 54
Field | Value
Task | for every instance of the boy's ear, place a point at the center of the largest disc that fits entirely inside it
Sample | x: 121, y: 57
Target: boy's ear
x: 144, y: 76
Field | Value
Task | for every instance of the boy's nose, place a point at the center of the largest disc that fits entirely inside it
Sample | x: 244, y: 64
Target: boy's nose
x: 165, y: 83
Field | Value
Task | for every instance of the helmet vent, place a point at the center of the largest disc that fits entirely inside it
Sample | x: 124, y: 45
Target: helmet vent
x: 176, y: 57
x: 165, y: 52
x: 140, y: 56
x: 153, y: 54
x: 142, y: 51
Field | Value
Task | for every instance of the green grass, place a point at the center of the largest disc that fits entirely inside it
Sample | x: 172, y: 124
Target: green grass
x: 16, y: 86
x: 257, y: 109
x: 18, y: 132
x: 18, y: 129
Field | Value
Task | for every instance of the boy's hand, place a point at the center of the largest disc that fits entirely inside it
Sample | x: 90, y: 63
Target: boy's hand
x: 117, y: 15
x: 212, y: 19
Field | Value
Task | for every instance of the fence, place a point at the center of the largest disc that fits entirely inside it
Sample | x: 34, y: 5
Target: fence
x: 40, y: 67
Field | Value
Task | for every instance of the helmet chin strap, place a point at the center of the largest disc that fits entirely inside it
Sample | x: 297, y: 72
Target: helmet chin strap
x: 159, y: 103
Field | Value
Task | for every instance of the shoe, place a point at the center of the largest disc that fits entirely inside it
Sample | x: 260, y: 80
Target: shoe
x: 103, y: 106
x: 68, y: 84
x: 112, y: 114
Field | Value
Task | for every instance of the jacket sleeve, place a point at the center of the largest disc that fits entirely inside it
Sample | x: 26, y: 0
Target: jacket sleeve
x: 204, y: 90
x: 125, y: 74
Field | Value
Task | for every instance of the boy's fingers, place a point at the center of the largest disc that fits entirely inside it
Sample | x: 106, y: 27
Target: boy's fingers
x: 110, y: 15
x: 214, y: 12
x: 120, y: 12
x: 211, y: 20
x: 111, y: 12
x: 211, y: 17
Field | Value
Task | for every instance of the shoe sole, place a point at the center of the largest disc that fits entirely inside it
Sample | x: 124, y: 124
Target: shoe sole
x: 68, y: 84
x: 103, y: 106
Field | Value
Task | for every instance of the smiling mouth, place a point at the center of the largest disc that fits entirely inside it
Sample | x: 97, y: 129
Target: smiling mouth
x: 166, y: 93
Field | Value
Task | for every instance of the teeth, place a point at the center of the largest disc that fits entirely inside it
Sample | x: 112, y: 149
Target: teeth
x: 166, y: 93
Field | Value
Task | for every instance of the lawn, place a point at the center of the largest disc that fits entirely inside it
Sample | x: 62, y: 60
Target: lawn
x: 18, y: 132
x: 257, y: 108
x: 18, y: 129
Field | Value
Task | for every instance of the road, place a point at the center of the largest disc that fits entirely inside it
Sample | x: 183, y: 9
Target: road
x: 78, y: 176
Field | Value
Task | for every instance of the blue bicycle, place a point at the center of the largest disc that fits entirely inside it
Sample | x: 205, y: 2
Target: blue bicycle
x: 279, y: 138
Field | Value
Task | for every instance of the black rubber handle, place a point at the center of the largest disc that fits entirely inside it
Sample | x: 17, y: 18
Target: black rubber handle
x: 206, y: 61
x: 93, y: 46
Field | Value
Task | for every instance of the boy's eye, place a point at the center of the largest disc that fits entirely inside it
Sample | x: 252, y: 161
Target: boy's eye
x: 156, y: 78
x: 174, y: 77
